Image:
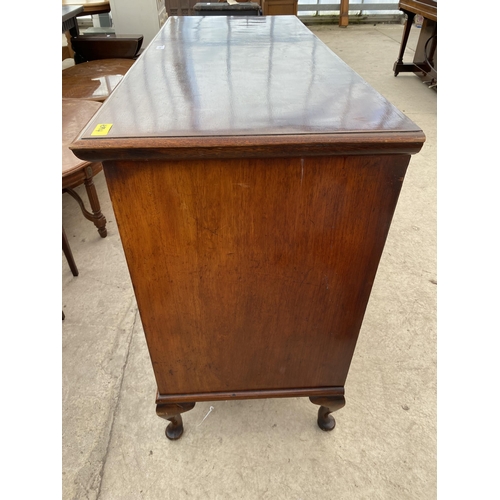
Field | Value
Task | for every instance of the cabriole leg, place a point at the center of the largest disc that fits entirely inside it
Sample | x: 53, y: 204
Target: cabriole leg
x: 328, y: 404
x: 172, y: 413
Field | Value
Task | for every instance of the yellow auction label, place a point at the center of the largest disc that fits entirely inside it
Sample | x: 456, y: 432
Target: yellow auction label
x: 102, y: 129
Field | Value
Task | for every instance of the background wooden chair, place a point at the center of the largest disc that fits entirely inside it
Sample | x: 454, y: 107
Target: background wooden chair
x: 100, y: 64
x: 97, y: 47
x: 94, y: 80
x: 75, y: 115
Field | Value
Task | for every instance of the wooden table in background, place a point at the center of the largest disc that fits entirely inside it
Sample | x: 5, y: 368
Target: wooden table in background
x: 253, y: 201
x: 82, y: 8
x: 425, y: 59
x: 90, y: 7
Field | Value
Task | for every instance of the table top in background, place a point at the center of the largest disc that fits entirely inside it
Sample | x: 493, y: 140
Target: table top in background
x: 90, y: 7
x: 426, y: 8
x: 69, y: 11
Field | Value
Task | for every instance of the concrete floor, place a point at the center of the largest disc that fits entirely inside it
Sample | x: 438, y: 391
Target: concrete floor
x: 384, y: 445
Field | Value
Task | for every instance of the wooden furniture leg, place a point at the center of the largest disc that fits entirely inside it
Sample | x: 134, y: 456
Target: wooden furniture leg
x: 99, y: 219
x: 96, y: 216
x: 406, y: 33
x: 172, y: 413
x: 328, y: 404
x: 69, y: 254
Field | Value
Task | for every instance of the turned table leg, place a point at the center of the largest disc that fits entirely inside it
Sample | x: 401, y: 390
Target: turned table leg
x: 328, y: 404
x: 96, y: 215
x: 172, y: 413
x: 69, y: 254
x: 98, y: 218
x: 398, y: 65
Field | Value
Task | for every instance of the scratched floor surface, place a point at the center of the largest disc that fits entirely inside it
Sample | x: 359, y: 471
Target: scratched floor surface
x: 384, y: 446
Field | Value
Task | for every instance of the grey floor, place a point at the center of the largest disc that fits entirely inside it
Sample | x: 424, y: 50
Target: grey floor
x: 384, y: 445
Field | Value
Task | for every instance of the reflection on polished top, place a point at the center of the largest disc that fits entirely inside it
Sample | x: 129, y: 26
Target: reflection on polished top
x: 241, y: 76
x: 75, y: 114
x: 94, y: 80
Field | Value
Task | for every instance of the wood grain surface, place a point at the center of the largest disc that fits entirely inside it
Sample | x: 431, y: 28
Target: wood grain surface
x: 253, y: 274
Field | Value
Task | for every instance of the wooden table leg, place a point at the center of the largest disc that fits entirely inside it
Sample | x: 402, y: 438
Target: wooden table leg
x: 96, y: 215
x: 98, y: 219
x: 69, y: 254
x: 406, y: 33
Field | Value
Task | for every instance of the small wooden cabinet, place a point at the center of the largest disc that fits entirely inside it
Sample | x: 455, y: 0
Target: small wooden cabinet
x: 253, y: 177
x: 279, y: 7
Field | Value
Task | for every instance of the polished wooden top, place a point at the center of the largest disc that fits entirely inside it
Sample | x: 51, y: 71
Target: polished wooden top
x: 94, y: 80
x: 221, y: 81
x: 90, y: 7
x: 75, y: 115
x: 426, y: 8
